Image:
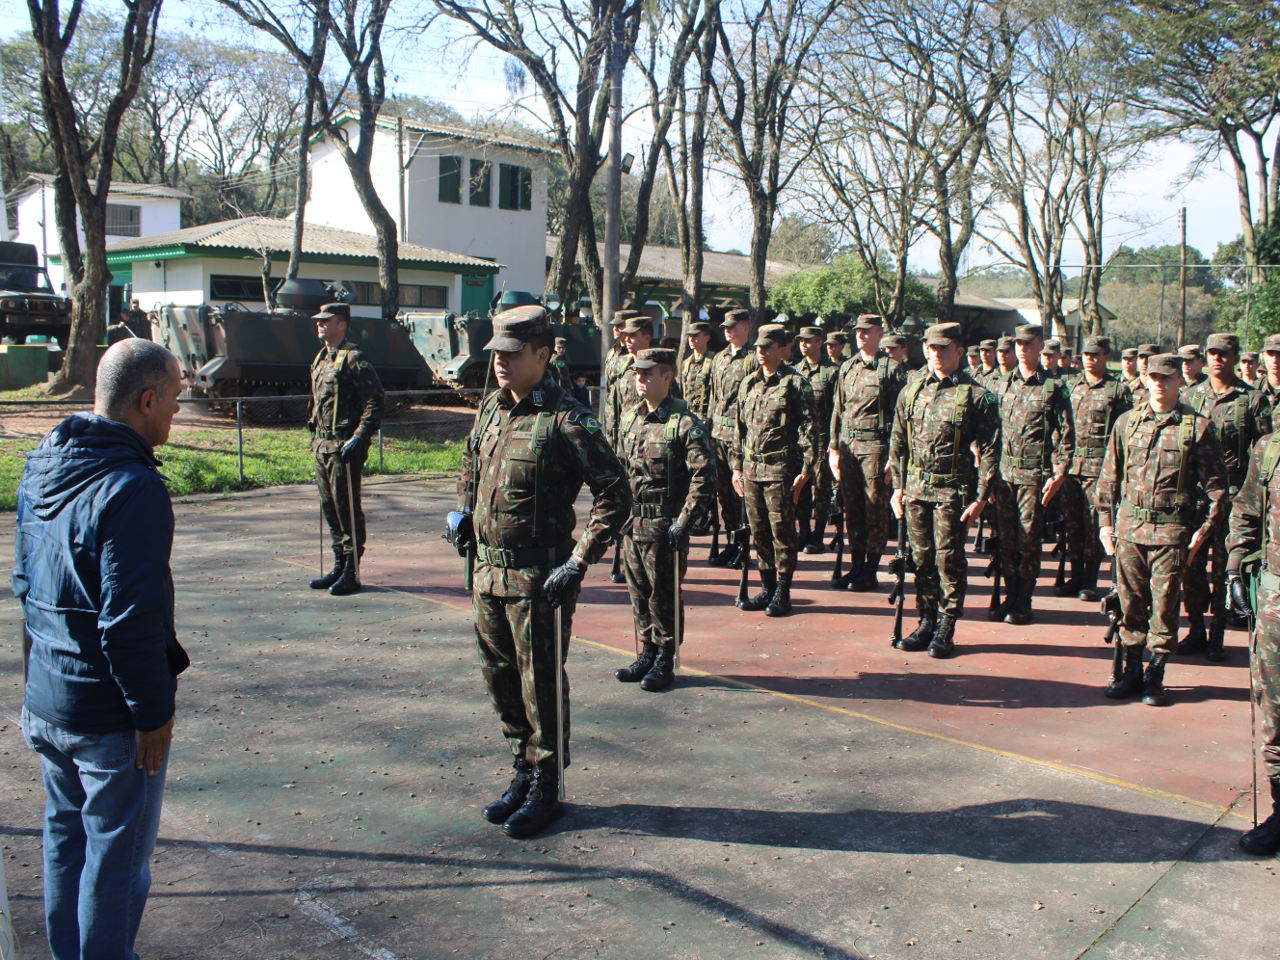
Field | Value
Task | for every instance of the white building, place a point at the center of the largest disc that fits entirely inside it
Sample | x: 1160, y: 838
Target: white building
x: 476, y: 194
x: 133, y: 210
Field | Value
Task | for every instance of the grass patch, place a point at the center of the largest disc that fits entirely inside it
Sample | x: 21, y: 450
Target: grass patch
x: 205, y: 461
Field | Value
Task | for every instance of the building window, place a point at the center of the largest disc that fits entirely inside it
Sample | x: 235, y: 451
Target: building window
x: 124, y: 220
x: 450, y: 179
x: 515, y: 187
x: 411, y: 294
x: 481, y: 183
x: 248, y: 289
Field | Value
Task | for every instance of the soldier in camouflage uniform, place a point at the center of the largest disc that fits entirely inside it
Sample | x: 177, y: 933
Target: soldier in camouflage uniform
x: 1037, y: 447
x: 1006, y: 358
x: 866, y: 394
x: 1249, y: 368
x: 774, y: 457
x: 1157, y: 457
x: 344, y: 416
x: 1240, y: 416
x: 560, y: 361
x: 668, y: 459
x: 636, y: 333
x: 1051, y: 358
x: 1129, y: 375
x: 815, y: 500
x: 615, y: 356
x: 695, y: 370
x: 1139, y: 390
x: 895, y: 349
x: 728, y: 368
x: 531, y: 450
x: 835, y: 345
x: 989, y: 368
x: 1269, y: 378
x: 1254, y: 545
x: 1097, y: 400
x: 939, y: 418
x: 1192, y: 364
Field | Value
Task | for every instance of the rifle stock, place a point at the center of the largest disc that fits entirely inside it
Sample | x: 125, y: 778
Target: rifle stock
x: 899, y: 593
x: 838, y: 542
x: 715, y: 532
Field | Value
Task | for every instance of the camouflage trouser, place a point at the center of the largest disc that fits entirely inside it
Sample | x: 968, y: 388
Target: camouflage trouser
x: 1083, y: 545
x: 726, y: 496
x: 815, y: 499
x: 1265, y: 663
x: 772, y: 515
x: 1021, y: 519
x: 1148, y: 580
x: 1200, y: 594
x: 650, y: 567
x: 866, y: 498
x: 516, y: 640
x: 937, y: 540
x: 331, y: 480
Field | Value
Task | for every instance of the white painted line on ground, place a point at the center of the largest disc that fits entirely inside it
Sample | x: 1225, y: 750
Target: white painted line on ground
x: 318, y: 910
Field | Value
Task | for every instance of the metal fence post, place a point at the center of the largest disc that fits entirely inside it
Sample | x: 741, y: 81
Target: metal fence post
x: 240, y: 436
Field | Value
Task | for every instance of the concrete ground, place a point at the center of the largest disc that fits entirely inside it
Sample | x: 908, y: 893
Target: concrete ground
x: 804, y: 791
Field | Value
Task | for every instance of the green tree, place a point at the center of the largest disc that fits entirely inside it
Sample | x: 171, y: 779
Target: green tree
x: 1128, y: 265
x: 844, y: 288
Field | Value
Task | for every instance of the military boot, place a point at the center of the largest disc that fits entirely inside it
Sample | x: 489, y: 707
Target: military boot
x: 640, y: 666
x: 922, y: 635
x: 348, y: 583
x: 509, y: 802
x: 768, y: 583
x: 818, y: 542
x: 1089, y: 591
x: 943, y: 643
x: 997, y: 613
x: 1213, y: 649
x: 854, y: 573
x: 1129, y: 683
x: 662, y: 673
x: 866, y: 580
x: 1196, y: 638
x: 1071, y: 585
x: 780, y: 604
x: 334, y: 575
x: 1264, y: 839
x: 1153, y: 694
x: 805, y: 532
x: 1019, y: 613
x: 541, y: 806
x: 725, y: 557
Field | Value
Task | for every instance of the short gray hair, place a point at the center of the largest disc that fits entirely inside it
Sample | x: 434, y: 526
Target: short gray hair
x: 126, y: 371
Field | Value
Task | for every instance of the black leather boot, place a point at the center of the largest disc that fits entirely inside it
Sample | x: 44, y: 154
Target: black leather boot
x: 805, y: 533
x: 334, y: 575
x: 661, y: 673
x: 722, y: 558
x: 1071, y: 586
x: 541, y: 806
x: 943, y: 643
x: 1213, y: 649
x: 1196, y: 638
x: 509, y: 802
x: 640, y: 666
x: 866, y: 580
x: 768, y: 583
x: 818, y: 542
x: 1089, y: 591
x: 348, y: 583
x: 1020, y: 605
x: 922, y: 635
x: 1130, y: 682
x: 1153, y: 694
x: 1264, y: 839
x: 616, y: 574
x: 851, y: 575
x: 997, y: 613
x: 780, y: 604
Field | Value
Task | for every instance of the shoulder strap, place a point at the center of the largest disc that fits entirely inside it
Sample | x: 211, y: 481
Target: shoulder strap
x: 913, y: 393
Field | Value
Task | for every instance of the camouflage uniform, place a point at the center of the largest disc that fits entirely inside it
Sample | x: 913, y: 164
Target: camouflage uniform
x: 815, y: 499
x: 346, y: 402
x: 622, y: 392
x: 1095, y: 407
x: 728, y: 368
x: 1273, y: 398
x: 695, y: 383
x: 668, y: 459
x: 524, y: 465
x: 866, y: 395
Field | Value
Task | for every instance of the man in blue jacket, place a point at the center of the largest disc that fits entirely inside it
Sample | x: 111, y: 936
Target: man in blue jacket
x: 94, y: 532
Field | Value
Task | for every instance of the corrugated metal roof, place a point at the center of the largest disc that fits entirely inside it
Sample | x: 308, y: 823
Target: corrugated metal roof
x: 663, y: 264
x: 457, y: 133
x: 118, y: 188
x: 259, y: 233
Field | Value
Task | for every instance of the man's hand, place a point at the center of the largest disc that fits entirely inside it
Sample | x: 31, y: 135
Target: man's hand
x: 152, y: 747
x: 1239, y: 595
x: 351, y: 450
x: 833, y: 461
x: 1107, y: 535
x: 797, y: 487
x: 737, y: 483
x: 973, y: 512
x: 1198, y: 540
x: 675, y: 534
x: 563, y: 579
x: 1051, y: 488
x: 895, y: 502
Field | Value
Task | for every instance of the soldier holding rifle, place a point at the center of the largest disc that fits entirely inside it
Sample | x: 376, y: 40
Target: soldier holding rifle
x: 815, y: 501
x: 728, y: 368
x: 939, y: 417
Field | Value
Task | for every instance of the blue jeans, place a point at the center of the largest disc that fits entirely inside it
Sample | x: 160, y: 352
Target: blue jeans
x: 101, y: 817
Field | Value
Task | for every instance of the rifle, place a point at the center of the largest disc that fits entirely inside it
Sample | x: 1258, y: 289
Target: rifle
x: 1111, y: 609
x: 715, y: 532
x: 898, y: 565
x: 837, y: 514
x: 742, y: 538
x: 1060, y: 549
x: 615, y: 575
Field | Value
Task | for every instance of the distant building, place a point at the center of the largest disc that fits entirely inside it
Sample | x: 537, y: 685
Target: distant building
x: 1071, y: 330
x: 447, y: 188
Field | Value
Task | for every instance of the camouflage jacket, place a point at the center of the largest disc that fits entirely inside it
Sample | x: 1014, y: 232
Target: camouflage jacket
x: 1037, y: 438
x: 1155, y: 464
x: 616, y: 356
x: 934, y: 427
x: 1250, y: 531
x: 522, y: 470
x: 727, y: 370
x: 866, y: 395
x: 561, y: 367
x: 1095, y: 407
x: 822, y: 378
x: 1138, y: 390
x: 1241, y: 416
x: 777, y: 433
x: 621, y: 393
x: 668, y: 459
x: 346, y: 398
x: 1273, y: 397
x: 695, y: 383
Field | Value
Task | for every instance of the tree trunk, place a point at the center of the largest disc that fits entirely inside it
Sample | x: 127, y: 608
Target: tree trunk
x: 88, y: 313
x: 761, y: 227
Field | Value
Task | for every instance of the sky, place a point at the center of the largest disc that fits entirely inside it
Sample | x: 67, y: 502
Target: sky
x: 1142, y: 208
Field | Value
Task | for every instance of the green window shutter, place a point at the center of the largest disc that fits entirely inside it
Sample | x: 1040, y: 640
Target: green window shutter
x: 450, y: 179
x: 481, y: 183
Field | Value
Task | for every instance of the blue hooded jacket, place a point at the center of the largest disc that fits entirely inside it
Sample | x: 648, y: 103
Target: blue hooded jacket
x: 94, y: 533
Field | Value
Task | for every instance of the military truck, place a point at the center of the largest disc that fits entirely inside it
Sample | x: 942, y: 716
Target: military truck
x: 28, y: 304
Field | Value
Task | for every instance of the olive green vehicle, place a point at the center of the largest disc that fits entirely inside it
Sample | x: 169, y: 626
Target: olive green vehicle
x: 28, y: 305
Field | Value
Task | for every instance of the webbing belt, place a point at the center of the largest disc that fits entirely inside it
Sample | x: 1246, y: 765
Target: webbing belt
x: 776, y: 456
x: 518, y: 557
x: 1148, y: 515
x: 647, y: 511
x: 938, y: 479
x: 880, y: 435
x: 1025, y: 463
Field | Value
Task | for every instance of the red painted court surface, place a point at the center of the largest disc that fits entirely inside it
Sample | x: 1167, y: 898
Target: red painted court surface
x: 1033, y: 691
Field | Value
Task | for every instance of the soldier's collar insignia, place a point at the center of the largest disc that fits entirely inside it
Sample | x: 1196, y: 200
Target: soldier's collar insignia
x: 536, y: 397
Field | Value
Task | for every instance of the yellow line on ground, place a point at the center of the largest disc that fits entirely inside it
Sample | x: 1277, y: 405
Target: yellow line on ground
x: 1229, y: 810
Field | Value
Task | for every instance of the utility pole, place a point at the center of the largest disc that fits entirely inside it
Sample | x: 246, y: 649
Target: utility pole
x: 613, y: 186
x: 1182, y: 279
x: 404, y: 235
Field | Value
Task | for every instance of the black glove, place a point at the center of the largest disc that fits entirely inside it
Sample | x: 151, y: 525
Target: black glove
x: 563, y: 579
x: 1239, y: 595
x: 675, y: 534
x: 1111, y: 604
x: 352, y: 449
